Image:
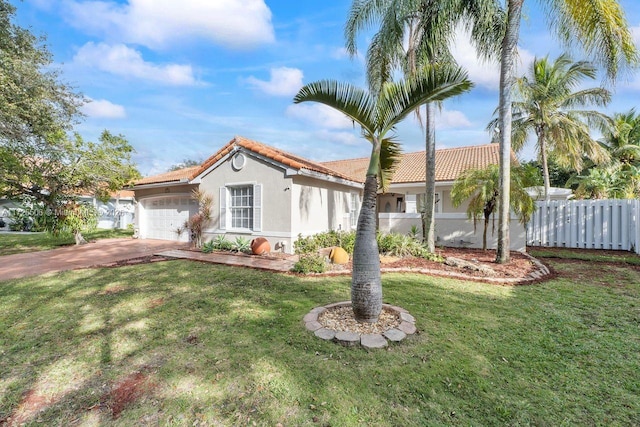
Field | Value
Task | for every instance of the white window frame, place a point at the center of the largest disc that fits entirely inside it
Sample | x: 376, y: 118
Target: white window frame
x: 227, y: 208
x: 354, y: 210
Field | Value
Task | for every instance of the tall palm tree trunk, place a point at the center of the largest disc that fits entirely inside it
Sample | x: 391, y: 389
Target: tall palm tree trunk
x: 366, y: 283
x: 508, y: 56
x: 430, y: 179
x: 542, y: 142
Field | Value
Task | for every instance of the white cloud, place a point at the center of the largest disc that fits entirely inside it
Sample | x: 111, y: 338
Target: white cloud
x: 124, y: 61
x: 342, y: 138
x: 319, y: 115
x: 103, y: 109
x: 482, y: 73
x: 451, y: 119
x: 161, y: 23
x: 284, y: 82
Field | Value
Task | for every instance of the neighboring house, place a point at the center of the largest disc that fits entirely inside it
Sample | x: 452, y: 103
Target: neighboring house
x: 118, y: 212
x: 260, y: 190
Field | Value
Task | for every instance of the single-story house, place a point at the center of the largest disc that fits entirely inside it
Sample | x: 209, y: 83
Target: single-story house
x: 117, y: 212
x: 262, y: 191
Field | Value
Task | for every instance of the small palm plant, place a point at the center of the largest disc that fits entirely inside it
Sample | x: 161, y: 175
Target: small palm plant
x: 377, y: 115
x: 482, y: 189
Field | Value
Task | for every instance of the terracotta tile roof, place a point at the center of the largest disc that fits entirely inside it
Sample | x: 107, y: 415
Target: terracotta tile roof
x: 354, y: 168
x: 173, y: 176
x: 123, y: 194
x: 450, y: 163
x: 290, y: 160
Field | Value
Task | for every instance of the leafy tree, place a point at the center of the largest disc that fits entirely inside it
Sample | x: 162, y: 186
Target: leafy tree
x: 547, y: 106
x: 54, y: 173
x: 622, y: 140
x: 411, y: 34
x: 377, y: 114
x: 482, y: 189
x: 558, y: 175
x: 41, y: 163
x: 185, y: 164
x: 33, y: 101
x: 599, y: 27
x: 77, y: 218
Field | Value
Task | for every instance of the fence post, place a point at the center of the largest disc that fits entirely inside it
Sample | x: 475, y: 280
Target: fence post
x: 636, y: 215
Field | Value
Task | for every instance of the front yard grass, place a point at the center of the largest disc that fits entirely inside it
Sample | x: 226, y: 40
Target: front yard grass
x: 14, y: 243
x: 185, y: 343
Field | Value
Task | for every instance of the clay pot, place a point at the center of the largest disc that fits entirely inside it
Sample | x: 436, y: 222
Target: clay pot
x: 260, y: 246
x: 338, y: 256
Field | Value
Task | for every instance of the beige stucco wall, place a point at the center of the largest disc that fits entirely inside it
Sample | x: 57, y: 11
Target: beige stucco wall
x: 319, y: 206
x: 276, y: 199
x: 454, y: 229
x: 443, y: 191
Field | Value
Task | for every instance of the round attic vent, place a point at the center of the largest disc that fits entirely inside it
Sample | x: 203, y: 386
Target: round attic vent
x: 238, y: 161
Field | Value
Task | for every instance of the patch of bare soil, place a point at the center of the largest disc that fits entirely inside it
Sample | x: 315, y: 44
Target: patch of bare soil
x: 603, y: 273
x: 126, y: 392
x: 32, y: 403
x: 342, y: 319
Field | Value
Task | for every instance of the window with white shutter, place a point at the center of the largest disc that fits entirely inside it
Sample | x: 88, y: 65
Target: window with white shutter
x: 241, y: 207
x: 354, y: 209
x: 223, y: 208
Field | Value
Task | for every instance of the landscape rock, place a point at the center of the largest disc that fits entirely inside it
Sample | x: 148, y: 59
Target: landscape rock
x: 395, y: 335
x: 461, y: 263
x: 373, y: 341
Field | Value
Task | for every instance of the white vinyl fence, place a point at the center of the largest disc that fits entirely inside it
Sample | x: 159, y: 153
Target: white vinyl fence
x: 588, y: 224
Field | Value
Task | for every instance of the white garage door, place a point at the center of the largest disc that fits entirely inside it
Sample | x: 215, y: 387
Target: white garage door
x: 163, y: 216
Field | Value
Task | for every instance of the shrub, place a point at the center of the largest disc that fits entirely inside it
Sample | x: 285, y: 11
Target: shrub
x: 388, y: 243
x: 19, y: 220
x: 199, y: 221
x: 310, y: 264
x: 327, y: 239
x: 221, y: 243
x: 208, y: 247
x: 241, y: 244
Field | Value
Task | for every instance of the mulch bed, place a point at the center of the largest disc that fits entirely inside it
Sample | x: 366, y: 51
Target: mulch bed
x: 519, y: 267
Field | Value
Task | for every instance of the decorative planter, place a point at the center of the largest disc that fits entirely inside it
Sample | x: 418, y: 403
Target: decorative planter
x: 260, y: 246
x: 338, y: 256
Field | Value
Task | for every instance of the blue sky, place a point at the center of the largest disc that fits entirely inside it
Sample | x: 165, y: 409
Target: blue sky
x: 180, y: 78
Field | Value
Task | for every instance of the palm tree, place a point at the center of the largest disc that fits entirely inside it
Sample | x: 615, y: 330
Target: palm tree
x: 481, y: 188
x: 547, y: 105
x: 622, y: 140
x: 413, y: 33
x: 377, y: 115
x: 599, y: 27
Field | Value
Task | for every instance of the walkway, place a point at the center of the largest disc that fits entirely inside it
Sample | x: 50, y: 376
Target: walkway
x: 238, y: 260
x: 101, y: 252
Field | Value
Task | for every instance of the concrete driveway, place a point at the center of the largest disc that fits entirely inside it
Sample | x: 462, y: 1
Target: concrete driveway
x: 101, y: 252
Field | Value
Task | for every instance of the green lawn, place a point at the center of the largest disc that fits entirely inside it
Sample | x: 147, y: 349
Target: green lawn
x: 185, y: 343
x: 11, y: 243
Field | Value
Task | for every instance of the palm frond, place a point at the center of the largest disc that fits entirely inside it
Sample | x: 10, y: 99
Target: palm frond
x: 354, y: 102
x: 390, y: 153
x: 600, y: 27
x: 431, y: 83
